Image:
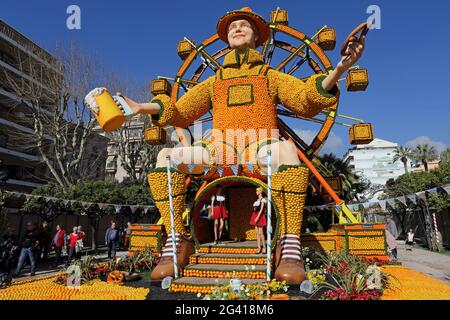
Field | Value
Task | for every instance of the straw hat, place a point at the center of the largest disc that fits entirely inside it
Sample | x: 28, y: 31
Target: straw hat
x: 247, y: 14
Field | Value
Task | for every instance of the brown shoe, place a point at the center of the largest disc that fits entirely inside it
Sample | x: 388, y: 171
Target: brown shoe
x: 289, y: 263
x: 165, y: 268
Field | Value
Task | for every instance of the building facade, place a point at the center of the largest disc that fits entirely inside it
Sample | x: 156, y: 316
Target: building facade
x: 374, y: 161
x: 133, y: 135
x: 23, y: 165
x: 19, y: 156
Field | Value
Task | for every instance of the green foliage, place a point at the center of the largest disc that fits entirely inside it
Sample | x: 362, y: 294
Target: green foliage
x: 445, y: 156
x: 352, y: 278
x: 425, y: 153
x: 98, y: 191
x: 352, y: 184
x: 403, y: 154
x: 90, y: 269
x: 412, y: 183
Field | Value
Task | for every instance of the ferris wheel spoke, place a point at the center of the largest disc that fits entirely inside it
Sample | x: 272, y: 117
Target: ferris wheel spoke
x: 202, y: 68
x: 314, y: 65
x: 296, y: 66
x: 208, y: 64
x: 293, y: 54
x: 290, y: 114
x: 305, y: 53
x: 271, y: 39
x: 287, y: 132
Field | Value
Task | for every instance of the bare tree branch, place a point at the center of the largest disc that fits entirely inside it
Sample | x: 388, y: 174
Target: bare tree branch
x: 61, y: 123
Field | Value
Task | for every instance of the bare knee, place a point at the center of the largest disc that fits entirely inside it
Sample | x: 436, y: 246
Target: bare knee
x: 161, y: 160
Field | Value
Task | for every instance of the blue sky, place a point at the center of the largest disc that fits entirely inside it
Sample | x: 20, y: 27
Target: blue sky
x: 407, y: 101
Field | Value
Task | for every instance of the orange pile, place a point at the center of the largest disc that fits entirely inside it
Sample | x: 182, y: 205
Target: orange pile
x: 219, y: 260
x: 413, y: 285
x: 47, y: 289
x: 223, y: 274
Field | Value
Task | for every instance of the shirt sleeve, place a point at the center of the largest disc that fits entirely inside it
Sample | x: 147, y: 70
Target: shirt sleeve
x: 190, y: 107
x: 305, y: 98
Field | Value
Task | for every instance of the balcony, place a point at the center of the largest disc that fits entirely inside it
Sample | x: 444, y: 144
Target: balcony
x: 20, y: 155
x: 17, y: 40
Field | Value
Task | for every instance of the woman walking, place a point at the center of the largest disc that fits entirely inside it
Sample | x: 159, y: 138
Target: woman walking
x: 258, y: 219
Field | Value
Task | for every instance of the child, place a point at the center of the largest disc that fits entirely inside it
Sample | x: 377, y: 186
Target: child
x: 410, y: 240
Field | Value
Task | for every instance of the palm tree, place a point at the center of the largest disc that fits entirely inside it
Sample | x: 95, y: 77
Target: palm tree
x: 352, y: 184
x: 403, y: 154
x: 425, y: 153
x: 445, y: 156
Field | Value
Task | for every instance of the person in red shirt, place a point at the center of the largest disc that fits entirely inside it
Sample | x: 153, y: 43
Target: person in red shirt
x: 73, y: 238
x: 59, y: 241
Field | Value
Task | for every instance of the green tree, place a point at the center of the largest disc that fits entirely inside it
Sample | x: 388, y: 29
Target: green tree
x: 83, y: 193
x: 445, y: 156
x: 425, y: 153
x: 436, y: 202
x: 403, y: 154
x: 352, y: 184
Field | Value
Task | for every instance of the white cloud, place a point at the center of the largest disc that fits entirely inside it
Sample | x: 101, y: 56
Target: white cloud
x: 334, y: 143
x: 440, y: 146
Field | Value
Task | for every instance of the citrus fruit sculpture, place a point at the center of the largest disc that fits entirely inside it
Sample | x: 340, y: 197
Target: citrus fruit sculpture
x: 237, y: 89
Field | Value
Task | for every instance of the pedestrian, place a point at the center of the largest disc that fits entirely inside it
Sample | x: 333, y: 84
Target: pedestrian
x: 258, y: 219
x: 45, y: 239
x: 391, y: 236
x: 80, y: 243
x: 410, y: 240
x: 127, y: 232
x: 59, y: 241
x: 73, y: 238
x: 8, y: 252
x: 391, y: 226
x: 111, y: 238
x: 28, y: 244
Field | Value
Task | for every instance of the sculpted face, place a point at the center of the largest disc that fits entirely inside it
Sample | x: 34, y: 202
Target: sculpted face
x: 241, y: 35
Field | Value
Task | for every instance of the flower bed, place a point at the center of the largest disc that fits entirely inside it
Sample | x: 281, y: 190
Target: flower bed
x: 259, y: 291
x: 89, y: 270
x: 343, y: 276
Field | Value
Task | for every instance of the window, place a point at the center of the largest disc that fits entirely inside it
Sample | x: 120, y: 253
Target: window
x: 111, y: 164
x: 135, y: 133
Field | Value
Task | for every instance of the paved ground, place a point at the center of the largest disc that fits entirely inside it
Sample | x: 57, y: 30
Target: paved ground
x: 434, y: 264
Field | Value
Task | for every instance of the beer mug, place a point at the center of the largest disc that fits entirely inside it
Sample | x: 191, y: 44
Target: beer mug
x: 110, y: 111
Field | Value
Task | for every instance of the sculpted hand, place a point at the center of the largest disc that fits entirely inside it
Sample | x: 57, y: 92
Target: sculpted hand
x: 353, y: 52
x: 134, y: 106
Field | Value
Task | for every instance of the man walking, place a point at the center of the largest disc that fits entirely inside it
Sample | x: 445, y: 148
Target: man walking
x: 29, y: 243
x: 111, y: 238
x: 44, y: 238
